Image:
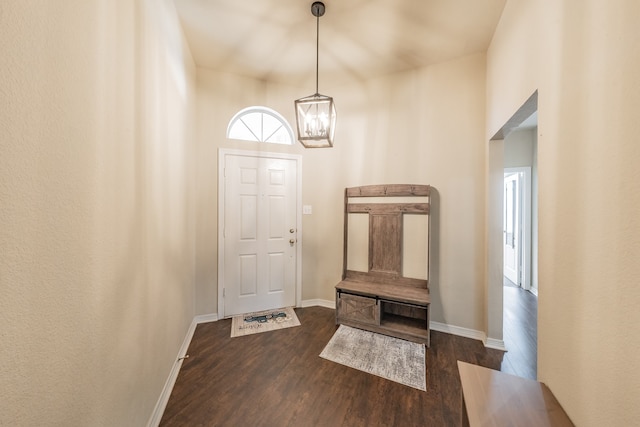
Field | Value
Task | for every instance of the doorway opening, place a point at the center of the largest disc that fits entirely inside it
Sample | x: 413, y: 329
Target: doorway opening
x: 516, y: 226
x: 519, y: 244
x: 507, y: 150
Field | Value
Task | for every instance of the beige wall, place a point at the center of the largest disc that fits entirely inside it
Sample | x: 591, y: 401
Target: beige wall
x: 584, y: 59
x: 108, y: 182
x: 97, y: 213
x: 424, y: 126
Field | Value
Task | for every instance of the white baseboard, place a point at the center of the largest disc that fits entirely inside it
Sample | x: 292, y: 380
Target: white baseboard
x: 318, y: 302
x: 156, y: 415
x: 495, y: 344
x: 206, y: 318
x: 468, y: 333
x: 457, y: 330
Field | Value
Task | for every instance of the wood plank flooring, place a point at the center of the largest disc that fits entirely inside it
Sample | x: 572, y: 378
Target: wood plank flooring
x: 278, y: 379
x: 520, y: 332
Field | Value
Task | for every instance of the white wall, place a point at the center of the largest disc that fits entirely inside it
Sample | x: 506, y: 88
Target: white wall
x: 424, y: 126
x: 583, y: 57
x: 97, y: 212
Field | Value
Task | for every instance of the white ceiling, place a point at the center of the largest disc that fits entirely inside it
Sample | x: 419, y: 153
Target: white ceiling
x: 275, y: 40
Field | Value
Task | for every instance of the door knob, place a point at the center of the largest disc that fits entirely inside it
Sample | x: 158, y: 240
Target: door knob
x: 291, y: 242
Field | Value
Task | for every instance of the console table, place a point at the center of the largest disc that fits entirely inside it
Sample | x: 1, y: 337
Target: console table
x: 494, y: 398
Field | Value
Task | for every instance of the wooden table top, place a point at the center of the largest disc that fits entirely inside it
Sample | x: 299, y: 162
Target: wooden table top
x: 494, y: 398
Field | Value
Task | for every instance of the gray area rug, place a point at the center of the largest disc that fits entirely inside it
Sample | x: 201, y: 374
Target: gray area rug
x: 263, y: 321
x: 387, y: 357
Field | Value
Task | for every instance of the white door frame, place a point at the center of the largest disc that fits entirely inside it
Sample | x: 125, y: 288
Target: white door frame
x: 222, y: 153
x: 512, y: 228
x: 525, y: 229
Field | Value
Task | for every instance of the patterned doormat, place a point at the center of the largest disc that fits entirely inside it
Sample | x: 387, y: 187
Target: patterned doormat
x: 387, y: 357
x: 263, y: 321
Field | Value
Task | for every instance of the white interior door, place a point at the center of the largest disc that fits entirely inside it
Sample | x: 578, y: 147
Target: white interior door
x: 260, y: 233
x: 511, y: 227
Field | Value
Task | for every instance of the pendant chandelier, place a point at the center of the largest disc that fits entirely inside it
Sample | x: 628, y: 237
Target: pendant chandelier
x: 316, y: 114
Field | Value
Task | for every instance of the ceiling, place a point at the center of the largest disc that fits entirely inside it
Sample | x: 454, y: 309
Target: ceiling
x: 275, y: 40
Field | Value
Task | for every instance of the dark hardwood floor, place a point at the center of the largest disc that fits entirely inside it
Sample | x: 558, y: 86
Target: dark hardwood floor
x: 278, y: 379
x: 520, y: 324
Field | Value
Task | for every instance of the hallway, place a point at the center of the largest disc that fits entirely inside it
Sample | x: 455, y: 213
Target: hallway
x: 520, y: 324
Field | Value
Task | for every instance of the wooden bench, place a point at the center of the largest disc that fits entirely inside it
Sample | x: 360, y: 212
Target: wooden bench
x: 381, y: 299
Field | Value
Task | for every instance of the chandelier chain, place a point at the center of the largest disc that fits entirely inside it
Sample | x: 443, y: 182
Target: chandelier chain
x: 317, y: 48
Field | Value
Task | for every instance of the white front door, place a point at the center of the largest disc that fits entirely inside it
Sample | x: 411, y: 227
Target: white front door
x: 511, y: 227
x: 260, y: 233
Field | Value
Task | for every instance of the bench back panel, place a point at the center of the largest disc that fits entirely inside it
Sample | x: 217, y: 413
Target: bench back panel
x: 385, y: 237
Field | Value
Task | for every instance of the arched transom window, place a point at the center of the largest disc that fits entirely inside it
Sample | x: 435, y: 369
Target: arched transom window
x: 260, y: 124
